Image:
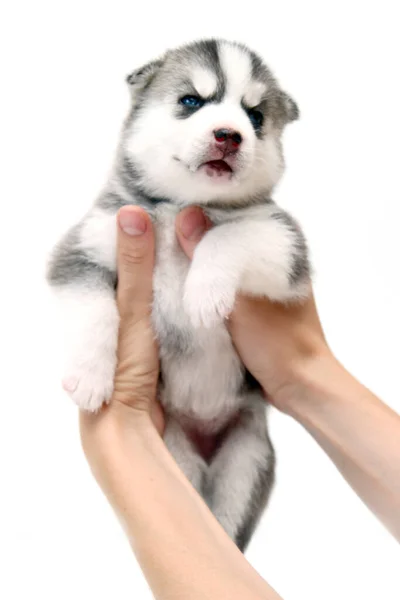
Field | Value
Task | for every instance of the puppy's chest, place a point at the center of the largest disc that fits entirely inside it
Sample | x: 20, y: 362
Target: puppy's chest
x: 172, y: 267
x: 170, y: 274
x: 173, y: 326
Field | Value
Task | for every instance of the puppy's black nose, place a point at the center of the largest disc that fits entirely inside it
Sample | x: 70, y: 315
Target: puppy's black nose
x: 222, y: 135
x: 228, y: 140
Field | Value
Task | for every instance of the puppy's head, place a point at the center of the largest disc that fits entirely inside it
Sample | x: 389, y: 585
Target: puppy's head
x: 206, y: 124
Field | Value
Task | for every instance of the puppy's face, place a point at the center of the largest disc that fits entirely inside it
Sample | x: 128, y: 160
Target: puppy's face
x: 206, y: 124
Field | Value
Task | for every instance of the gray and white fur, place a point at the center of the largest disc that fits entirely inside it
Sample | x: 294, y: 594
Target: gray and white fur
x: 204, y: 128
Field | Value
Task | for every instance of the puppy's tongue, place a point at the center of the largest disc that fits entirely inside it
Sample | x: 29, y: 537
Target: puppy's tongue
x: 218, y: 166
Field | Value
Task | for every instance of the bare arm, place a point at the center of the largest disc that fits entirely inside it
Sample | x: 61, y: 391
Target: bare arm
x: 182, y: 549
x: 357, y: 430
x: 285, y: 349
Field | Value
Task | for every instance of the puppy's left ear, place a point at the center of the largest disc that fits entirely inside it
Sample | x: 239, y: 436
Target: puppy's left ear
x: 289, y: 108
x: 140, y: 79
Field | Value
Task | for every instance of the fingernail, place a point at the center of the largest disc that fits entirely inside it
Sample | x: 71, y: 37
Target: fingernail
x: 132, y: 222
x: 193, y: 224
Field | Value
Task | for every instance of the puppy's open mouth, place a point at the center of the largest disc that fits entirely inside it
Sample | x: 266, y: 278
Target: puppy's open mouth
x: 212, y: 168
x: 217, y: 168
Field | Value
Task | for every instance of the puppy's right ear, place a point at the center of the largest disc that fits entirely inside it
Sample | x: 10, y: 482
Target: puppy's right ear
x: 140, y: 79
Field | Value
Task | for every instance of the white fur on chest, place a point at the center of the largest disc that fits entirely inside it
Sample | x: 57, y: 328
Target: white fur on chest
x: 201, y: 370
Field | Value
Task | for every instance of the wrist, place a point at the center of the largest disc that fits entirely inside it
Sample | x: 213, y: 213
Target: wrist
x: 309, y: 384
x: 144, y: 412
x: 111, y: 435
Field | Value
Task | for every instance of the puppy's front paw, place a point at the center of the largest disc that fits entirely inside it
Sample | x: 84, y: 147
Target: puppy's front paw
x: 208, y: 300
x: 90, y: 383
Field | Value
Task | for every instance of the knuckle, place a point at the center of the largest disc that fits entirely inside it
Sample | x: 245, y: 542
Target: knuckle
x: 133, y: 312
x: 138, y: 393
x: 130, y: 257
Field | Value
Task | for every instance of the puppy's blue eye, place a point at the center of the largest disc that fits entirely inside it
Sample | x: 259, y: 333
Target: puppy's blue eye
x: 256, y: 117
x: 192, y: 101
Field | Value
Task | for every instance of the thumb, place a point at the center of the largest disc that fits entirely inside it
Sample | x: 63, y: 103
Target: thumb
x: 135, y: 261
x: 191, y: 225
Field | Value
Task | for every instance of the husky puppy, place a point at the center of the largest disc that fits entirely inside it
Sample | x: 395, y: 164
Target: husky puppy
x: 204, y: 128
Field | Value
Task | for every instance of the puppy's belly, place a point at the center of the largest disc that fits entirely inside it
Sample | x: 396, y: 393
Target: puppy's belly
x: 202, y: 387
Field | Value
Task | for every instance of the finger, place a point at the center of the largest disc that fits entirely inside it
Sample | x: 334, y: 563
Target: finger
x: 191, y: 225
x: 135, y: 260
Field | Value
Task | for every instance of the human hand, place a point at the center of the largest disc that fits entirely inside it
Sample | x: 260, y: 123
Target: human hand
x: 108, y: 437
x: 277, y: 343
x: 136, y: 377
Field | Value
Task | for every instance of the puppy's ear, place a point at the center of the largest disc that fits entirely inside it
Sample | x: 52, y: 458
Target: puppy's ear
x: 290, y: 110
x: 140, y: 79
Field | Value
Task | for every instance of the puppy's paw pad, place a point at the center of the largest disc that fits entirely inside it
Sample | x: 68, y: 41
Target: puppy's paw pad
x: 69, y: 384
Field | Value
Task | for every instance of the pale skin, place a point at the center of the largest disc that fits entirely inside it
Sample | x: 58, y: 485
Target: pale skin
x: 183, y: 551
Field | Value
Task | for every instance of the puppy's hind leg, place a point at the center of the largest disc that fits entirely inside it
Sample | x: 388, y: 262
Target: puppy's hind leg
x: 185, y: 455
x: 242, y: 473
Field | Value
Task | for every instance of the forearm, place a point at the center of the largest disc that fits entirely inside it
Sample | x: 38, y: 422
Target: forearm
x: 358, y: 431
x: 183, y: 551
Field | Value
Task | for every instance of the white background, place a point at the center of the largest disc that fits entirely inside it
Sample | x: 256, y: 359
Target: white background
x: 62, y: 101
